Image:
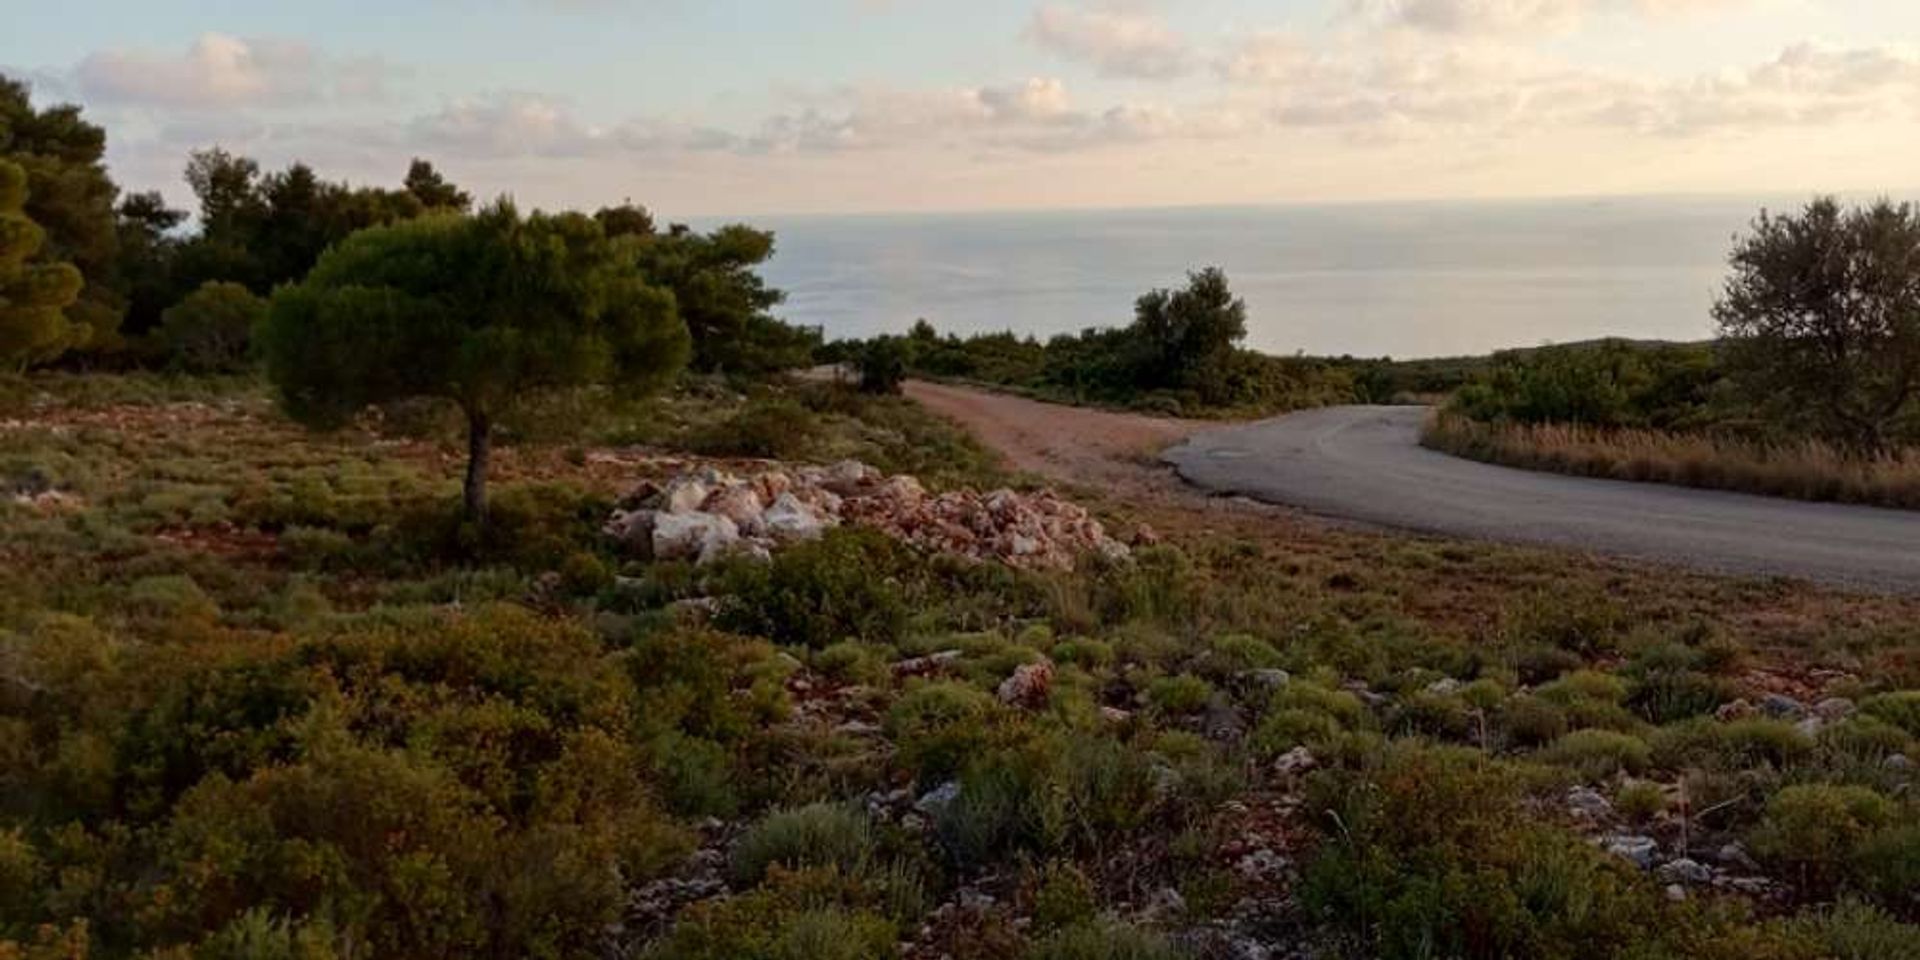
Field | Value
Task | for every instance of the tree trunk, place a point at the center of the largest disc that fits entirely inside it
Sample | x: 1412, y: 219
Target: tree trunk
x: 479, y: 450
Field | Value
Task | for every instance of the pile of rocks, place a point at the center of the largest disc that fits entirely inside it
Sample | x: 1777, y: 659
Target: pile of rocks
x: 706, y: 515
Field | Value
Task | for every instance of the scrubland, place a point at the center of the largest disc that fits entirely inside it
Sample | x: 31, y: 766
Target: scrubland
x: 264, y: 694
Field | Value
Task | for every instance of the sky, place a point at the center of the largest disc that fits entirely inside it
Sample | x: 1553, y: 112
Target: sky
x: 741, y: 107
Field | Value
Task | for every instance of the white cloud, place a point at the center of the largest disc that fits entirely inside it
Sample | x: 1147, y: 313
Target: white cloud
x: 1117, y: 41
x: 221, y: 71
x: 1468, y: 17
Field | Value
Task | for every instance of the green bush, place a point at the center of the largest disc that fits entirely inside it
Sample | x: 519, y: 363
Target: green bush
x: 1530, y: 721
x: 1814, y: 830
x: 1599, y: 754
x: 1061, y: 792
x: 1179, y: 695
x: 1901, y: 708
x: 211, y: 331
x: 1062, y: 897
x: 808, y: 915
x: 844, y: 586
x: 818, y: 835
x: 1886, y: 864
x: 882, y: 365
x: 1738, y: 745
x: 937, y: 727
x: 768, y: 427
x: 1101, y: 941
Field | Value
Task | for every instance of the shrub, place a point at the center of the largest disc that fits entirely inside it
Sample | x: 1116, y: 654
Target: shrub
x: 844, y: 586
x: 1062, y: 897
x: 1901, y: 708
x: 1640, y: 801
x: 1599, y: 754
x: 211, y: 331
x: 1177, y: 695
x: 768, y: 427
x: 1738, y: 745
x: 1582, y: 624
x: 937, y: 727
x: 1858, y: 931
x: 818, y: 835
x: 809, y: 915
x: 1814, y: 830
x: 1238, y: 651
x: 1529, y: 721
x: 1101, y: 941
x: 1059, y: 792
x: 1887, y: 866
x: 882, y: 365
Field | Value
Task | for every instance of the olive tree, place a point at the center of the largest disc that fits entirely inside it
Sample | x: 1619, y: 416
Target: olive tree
x: 1821, y: 318
x: 482, y: 310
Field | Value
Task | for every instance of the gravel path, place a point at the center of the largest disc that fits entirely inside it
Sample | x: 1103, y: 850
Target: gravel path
x: 1366, y: 464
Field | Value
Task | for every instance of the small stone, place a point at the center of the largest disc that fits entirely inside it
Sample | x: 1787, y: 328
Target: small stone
x: 1809, y: 726
x: 685, y: 536
x: 1294, y: 762
x: 935, y: 801
x: 1029, y: 685
x: 1834, y: 708
x: 1676, y: 892
x: 931, y: 663
x: 1898, y: 761
x: 1443, y: 686
x: 1781, y: 707
x: 1737, y: 710
x: 1641, y: 850
x: 684, y: 495
x: 1261, y: 864
x: 1589, y: 803
x: 1735, y: 855
x: 1687, y: 871
x: 1166, y: 903
x: 1115, y: 715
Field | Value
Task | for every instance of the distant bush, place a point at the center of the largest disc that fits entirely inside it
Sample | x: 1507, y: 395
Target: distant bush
x: 882, y: 365
x: 1101, y: 941
x: 1815, y: 830
x: 768, y: 427
x: 1901, y: 708
x: 844, y: 586
x: 211, y: 331
x: 1611, y: 383
x: 1599, y: 754
x: 820, y: 835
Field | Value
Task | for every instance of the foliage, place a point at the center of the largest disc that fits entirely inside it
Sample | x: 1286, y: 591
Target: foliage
x: 842, y: 586
x: 1101, y: 941
x: 70, y: 197
x: 1822, y: 319
x: 1180, y: 355
x: 724, y: 302
x: 882, y: 365
x: 211, y: 331
x: 480, y: 310
x: 1609, y: 383
x: 820, y: 835
x: 34, y: 295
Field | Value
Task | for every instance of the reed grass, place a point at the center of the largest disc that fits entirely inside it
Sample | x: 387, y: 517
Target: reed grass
x: 1803, y: 470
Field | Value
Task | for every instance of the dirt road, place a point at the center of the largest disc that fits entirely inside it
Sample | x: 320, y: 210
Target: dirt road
x: 1366, y: 464
x: 1112, y: 450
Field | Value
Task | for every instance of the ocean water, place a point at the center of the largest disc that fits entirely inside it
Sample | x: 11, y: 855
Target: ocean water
x: 1402, y: 280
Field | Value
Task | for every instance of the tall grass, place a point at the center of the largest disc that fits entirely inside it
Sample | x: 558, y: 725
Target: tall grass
x: 1804, y: 470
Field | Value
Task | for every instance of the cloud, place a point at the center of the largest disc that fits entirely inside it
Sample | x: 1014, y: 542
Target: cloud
x: 221, y: 71
x: 1468, y: 17
x: 1117, y: 41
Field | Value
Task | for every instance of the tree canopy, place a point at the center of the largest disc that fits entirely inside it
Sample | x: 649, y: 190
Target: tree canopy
x: 33, y: 295
x: 483, y: 310
x: 71, y: 198
x: 1822, y: 318
x: 724, y: 300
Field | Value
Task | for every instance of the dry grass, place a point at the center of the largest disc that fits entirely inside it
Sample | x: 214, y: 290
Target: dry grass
x: 1808, y: 470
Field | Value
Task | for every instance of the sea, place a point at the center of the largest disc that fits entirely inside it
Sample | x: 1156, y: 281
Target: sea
x: 1401, y: 280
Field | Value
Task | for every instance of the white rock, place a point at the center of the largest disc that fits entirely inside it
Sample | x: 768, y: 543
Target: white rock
x: 684, y: 495
x: 686, y: 536
x: 1641, y: 850
x: 791, y: 521
x: 1296, y: 761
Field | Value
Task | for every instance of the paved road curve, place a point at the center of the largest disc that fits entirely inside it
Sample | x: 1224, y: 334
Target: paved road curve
x: 1366, y: 463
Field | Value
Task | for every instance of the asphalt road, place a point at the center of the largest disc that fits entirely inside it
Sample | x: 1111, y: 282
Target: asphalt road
x: 1366, y: 464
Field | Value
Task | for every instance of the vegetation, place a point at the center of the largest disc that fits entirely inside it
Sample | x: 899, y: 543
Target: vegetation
x: 211, y: 331
x: 33, y: 296
x: 258, y: 696
x: 1181, y: 355
x: 486, y: 311
x: 1809, y: 392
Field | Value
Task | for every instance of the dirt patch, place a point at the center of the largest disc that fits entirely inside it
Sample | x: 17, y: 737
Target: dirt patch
x: 1078, y: 445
